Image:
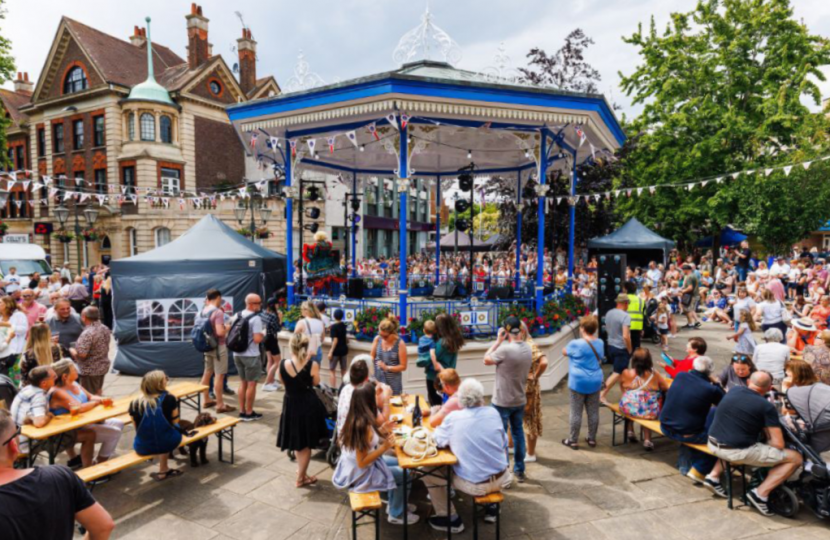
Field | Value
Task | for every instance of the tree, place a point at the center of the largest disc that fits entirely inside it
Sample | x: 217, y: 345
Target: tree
x: 6, y: 74
x: 565, y: 69
x: 722, y: 90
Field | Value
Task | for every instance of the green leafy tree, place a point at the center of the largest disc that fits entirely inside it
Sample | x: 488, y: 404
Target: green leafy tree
x: 6, y: 74
x: 723, y: 89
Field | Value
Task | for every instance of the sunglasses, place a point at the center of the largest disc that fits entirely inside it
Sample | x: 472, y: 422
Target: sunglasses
x: 740, y: 359
x: 10, y: 439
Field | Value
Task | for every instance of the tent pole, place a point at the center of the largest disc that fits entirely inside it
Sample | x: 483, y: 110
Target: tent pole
x: 354, y: 226
x: 518, y: 231
x: 438, y: 230
x: 540, y: 230
x: 403, y: 188
x: 572, y: 219
x: 289, y: 230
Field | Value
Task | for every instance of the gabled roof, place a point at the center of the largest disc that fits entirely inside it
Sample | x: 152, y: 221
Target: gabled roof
x: 261, y: 85
x: 120, y: 61
x: 12, y: 101
x: 632, y: 235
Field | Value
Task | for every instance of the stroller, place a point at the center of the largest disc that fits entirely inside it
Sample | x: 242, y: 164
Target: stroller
x: 809, y: 435
x: 650, y: 326
x: 328, y: 397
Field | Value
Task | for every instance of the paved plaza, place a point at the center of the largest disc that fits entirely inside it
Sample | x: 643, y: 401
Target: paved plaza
x: 605, y: 493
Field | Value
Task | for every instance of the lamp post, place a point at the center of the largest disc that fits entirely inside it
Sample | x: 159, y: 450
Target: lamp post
x: 254, y: 205
x: 90, y: 215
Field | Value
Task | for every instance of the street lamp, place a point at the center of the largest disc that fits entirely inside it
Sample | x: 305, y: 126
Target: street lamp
x: 256, y: 206
x: 62, y: 215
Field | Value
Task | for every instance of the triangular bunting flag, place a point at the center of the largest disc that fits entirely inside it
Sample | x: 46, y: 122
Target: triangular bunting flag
x: 392, y: 119
x: 639, y: 191
x: 53, y: 192
x: 806, y: 165
x: 652, y: 189
x: 84, y: 196
x: 373, y: 129
x: 18, y: 204
x: 331, y: 140
x: 312, y: 143
x: 787, y: 170
x: 404, y: 120
x: 768, y: 172
x: 735, y: 175
x: 703, y: 184
x: 26, y: 184
x: 352, y: 136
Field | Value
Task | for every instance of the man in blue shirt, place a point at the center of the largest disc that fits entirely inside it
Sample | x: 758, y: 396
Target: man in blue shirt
x: 687, y: 415
x: 477, y: 437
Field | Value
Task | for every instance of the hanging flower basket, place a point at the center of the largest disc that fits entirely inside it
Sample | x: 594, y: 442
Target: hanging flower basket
x: 263, y: 233
x: 64, y: 236
x: 244, y: 231
x: 90, y: 235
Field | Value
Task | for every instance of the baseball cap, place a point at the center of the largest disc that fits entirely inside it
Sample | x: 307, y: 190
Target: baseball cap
x: 622, y: 298
x: 512, y: 325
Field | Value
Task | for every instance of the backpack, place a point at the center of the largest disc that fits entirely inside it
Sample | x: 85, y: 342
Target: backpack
x: 202, y: 335
x: 238, y: 338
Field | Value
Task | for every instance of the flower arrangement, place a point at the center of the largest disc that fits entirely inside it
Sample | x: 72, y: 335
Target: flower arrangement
x: 367, y: 321
x: 244, y: 231
x: 90, y: 234
x: 555, y: 315
x: 416, y: 324
x: 263, y: 232
x: 521, y: 312
x: 290, y: 316
x: 64, y: 236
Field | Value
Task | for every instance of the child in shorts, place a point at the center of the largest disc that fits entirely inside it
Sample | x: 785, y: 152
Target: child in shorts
x: 339, y: 350
x: 426, y: 344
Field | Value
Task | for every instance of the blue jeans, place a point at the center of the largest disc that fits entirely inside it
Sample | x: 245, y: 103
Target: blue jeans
x: 742, y: 273
x: 689, y: 457
x: 396, y: 498
x: 514, y: 416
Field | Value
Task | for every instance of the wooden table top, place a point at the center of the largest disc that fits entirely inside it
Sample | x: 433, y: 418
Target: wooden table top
x: 445, y: 456
x: 65, y: 422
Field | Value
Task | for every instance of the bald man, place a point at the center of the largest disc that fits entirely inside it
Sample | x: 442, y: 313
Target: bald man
x: 249, y: 363
x: 742, y: 417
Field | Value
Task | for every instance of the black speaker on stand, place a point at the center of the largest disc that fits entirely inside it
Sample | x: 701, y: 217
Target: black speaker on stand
x: 445, y: 291
x: 610, y: 280
x: 354, y: 288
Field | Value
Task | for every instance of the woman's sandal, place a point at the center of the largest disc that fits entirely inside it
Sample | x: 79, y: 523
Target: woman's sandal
x: 570, y: 444
x: 648, y: 445
x: 591, y: 442
x: 307, y: 481
x: 161, y: 477
x: 631, y: 437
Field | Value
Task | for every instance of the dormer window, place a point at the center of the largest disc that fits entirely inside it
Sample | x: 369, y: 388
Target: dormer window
x: 75, y: 81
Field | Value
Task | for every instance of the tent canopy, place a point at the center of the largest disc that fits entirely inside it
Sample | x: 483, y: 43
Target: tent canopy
x: 728, y: 237
x: 448, y: 242
x: 631, y: 236
x: 157, y: 295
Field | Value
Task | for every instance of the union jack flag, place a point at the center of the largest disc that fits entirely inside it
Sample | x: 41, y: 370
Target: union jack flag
x: 373, y: 129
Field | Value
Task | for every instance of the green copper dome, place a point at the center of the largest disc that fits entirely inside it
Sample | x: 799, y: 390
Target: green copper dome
x: 150, y: 90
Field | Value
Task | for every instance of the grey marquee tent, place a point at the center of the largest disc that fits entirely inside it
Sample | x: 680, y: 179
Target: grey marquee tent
x: 157, y: 295
x: 637, y: 241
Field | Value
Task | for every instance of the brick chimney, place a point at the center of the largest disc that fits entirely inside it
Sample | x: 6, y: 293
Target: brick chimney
x: 198, y: 49
x: 247, y: 60
x: 139, y: 37
x: 22, y: 84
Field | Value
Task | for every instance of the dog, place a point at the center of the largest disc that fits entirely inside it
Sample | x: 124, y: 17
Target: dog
x: 187, y: 427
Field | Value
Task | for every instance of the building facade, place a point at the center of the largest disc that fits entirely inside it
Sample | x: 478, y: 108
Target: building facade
x: 107, y: 125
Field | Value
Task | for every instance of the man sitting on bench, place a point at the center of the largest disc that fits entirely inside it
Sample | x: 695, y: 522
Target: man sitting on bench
x: 740, y: 420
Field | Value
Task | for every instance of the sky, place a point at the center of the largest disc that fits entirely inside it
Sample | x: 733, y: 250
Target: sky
x: 343, y: 39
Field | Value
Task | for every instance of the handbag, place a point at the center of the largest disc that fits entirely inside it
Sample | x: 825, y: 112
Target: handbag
x: 686, y: 299
x: 420, y: 445
x: 641, y: 402
x: 786, y: 316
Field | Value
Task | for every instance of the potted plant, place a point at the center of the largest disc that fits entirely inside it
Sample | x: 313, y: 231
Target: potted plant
x: 367, y: 321
x: 244, y: 231
x: 3, y: 228
x: 416, y: 324
x: 263, y: 233
x: 64, y: 236
x: 90, y: 234
x: 290, y: 316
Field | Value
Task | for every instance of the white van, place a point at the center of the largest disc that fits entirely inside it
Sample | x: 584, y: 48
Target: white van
x: 27, y: 258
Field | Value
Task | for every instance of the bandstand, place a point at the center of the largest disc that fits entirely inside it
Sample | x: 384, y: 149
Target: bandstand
x: 432, y: 122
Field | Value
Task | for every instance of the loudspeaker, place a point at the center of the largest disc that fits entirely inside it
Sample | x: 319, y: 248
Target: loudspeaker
x: 610, y: 281
x: 500, y: 293
x: 354, y: 288
x: 444, y: 290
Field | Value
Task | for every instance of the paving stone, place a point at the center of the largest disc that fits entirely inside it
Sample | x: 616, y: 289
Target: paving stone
x: 261, y: 522
x: 218, y: 507
x: 168, y: 525
x: 243, y: 479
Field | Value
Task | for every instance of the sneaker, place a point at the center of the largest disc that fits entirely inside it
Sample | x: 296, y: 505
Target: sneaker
x: 759, y: 504
x: 715, y: 487
x: 697, y: 325
x: 410, y: 519
x: 273, y: 387
x: 521, y: 477
x: 491, y: 513
x: 442, y: 523
x: 245, y: 417
x: 74, y: 463
x: 696, y: 477
x: 229, y: 392
x: 255, y: 415
x: 411, y: 507
x: 530, y: 458
x: 100, y: 481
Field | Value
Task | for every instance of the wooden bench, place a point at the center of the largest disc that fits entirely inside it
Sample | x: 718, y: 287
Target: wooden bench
x: 365, y: 505
x: 654, y: 426
x: 483, y: 502
x: 223, y: 429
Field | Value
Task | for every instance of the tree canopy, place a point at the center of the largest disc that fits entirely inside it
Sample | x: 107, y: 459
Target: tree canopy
x: 6, y: 74
x: 723, y: 89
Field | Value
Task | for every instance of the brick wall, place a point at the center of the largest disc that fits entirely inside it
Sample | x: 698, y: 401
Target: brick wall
x: 220, y: 157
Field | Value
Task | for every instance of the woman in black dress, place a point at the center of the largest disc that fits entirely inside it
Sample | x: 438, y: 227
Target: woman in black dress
x: 303, y: 419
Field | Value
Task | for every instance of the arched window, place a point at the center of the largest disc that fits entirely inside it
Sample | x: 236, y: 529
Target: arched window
x: 75, y: 81
x: 181, y: 317
x: 162, y: 236
x: 150, y: 321
x: 106, y: 243
x: 131, y: 125
x: 148, y: 127
x: 166, y: 128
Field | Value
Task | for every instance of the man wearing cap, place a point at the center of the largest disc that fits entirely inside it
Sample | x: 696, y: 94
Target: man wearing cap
x: 780, y: 269
x: 691, y: 290
x: 513, y: 361
x: 618, y: 352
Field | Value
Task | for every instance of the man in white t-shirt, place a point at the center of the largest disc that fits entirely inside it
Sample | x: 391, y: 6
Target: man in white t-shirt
x: 12, y: 281
x: 780, y: 269
x: 249, y: 363
x: 654, y: 274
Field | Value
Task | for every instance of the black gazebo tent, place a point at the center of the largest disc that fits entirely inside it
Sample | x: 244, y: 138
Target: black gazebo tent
x: 638, y: 242
x: 157, y: 295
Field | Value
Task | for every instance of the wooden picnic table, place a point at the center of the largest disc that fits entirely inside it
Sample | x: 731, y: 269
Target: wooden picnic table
x: 64, y: 423
x: 416, y: 468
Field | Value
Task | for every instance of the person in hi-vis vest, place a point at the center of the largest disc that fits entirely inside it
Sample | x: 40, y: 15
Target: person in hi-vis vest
x: 636, y: 310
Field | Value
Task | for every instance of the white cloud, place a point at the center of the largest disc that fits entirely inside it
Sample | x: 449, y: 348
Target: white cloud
x: 350, y: 38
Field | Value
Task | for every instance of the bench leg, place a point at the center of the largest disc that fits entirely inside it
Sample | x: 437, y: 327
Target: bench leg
x: 475, y: 521
x: 744, y: 499
x: 449, y: 502
x: 377, y: 523
x: 498, y: 521
x: 354, y: 525
x: 226, y: 434
x: 728, y: 469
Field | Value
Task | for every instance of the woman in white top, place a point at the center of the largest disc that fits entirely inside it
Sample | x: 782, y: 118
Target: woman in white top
x: 12, y: 318
x: 771, y: 356
x: 771, y: 313
x: 742, y: 301
x: 312, y: 325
